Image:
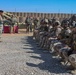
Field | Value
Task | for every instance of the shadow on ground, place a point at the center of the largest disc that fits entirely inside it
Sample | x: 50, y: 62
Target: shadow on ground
x: 51, y: 64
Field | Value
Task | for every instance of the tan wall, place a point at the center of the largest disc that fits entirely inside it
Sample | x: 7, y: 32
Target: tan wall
x: 21, y: 16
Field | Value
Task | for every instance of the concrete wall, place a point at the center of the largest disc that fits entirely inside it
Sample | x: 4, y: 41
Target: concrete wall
x: 22, y: 16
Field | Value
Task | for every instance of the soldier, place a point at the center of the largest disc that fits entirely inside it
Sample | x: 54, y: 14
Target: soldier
x: 72, y: 56
x: 31, y: 24
x: 14, y: 21
x: 28, y: 23
x: 1, y: 22
x: 66, y: 40
x: 73, y: 21
x: 35, y: 22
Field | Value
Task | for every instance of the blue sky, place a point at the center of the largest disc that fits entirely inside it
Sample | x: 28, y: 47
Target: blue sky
x: 46, y: 6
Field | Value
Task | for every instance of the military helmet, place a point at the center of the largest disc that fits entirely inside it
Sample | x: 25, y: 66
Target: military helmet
x: 57, y: 22
x: 68, y: 31
x: 65, y: 23
x: 45, y: 20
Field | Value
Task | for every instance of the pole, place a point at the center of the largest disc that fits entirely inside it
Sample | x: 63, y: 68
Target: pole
x: 15, y: 9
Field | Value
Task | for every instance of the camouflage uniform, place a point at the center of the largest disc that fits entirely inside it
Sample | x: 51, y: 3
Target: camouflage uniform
x: 28, y: 24
x: 14, y: 21
x: 1, y: 26
x: 35, y: 23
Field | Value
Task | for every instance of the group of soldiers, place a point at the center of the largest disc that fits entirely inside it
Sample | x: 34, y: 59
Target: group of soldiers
x: 31, y: 23
x: 59, y: 38
x: 7, y: 19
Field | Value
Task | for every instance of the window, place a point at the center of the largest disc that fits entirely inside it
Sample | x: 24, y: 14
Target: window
x: 17, y: 14
x: 20, y: 19
x: 20, y: 14
x: 38, y: 14
x: 41, y: 14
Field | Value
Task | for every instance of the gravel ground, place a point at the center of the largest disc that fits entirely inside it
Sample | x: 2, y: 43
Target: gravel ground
x: 20, y: 55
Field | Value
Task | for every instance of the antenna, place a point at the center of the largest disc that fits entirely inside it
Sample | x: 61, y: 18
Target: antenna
x: 71, y: 12
x: 59, y: 11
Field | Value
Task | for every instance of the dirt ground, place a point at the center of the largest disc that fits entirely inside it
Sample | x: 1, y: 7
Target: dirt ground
x: 20, y: 55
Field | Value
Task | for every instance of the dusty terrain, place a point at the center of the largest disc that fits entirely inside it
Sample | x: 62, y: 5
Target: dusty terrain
x: 20, y: 55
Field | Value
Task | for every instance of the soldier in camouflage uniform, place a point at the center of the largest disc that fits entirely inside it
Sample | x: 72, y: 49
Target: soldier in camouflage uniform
x: 28, y: 23
x: 1, y: 22
x: 35, y: 21
x: 14, y: 21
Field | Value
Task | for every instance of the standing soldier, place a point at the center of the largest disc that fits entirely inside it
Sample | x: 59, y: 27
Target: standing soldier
x: 1, y: 23
x: 31, y: 22
x: 14, y: 21
x: 35, y: 22
x: 28, y: 22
